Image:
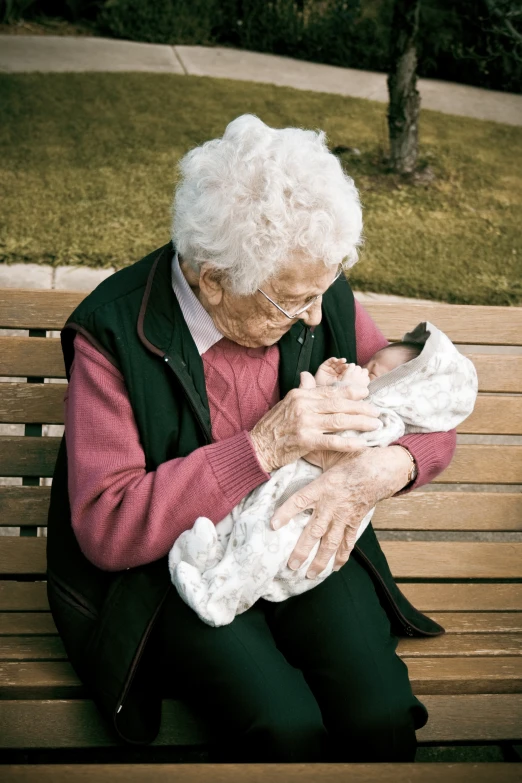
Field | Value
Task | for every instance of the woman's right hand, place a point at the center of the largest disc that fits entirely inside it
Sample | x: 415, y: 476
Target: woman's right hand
x: 306, y: 420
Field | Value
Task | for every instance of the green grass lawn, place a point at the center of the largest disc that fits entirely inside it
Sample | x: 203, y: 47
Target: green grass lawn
x: 88, y: 166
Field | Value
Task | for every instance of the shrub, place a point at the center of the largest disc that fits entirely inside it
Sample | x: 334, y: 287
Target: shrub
x: 160, y: 21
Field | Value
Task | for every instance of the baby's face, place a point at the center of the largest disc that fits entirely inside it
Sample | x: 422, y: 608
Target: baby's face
x: 386, y: 360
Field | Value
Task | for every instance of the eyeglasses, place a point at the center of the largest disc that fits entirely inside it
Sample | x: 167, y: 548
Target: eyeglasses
x: 307, y: 306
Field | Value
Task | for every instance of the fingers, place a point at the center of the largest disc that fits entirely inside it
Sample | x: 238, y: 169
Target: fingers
x: 302, y: 500
x: 321, y: 400
x: 307, y: 381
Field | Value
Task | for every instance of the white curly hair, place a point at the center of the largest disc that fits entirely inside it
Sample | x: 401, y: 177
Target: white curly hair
x: 251, y: 200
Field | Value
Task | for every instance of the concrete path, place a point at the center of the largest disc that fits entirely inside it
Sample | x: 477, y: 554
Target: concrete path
x: 63, y: 54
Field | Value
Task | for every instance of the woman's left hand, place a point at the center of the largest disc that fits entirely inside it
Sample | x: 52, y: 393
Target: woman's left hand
x: 340, y: 499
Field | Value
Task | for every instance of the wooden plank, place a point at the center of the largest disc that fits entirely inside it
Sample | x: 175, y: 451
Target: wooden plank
x: 472, y: 622
x: 24, y: 456
x: 412, y: 772
x: 28, y: 506
x: 50, y: 647
x: 23, y: 597
x: 432, y: 598
x: 464, y: 597
x: 28, y: 403
x: 470, y: 324
x: 34, y: 624
x: 77, y: 724
x: 479, y: 717
x: 496, y: 372
x: 407, y: 559
x: 31, y: 356
x: 449, y: 511
x: 453, y: 559
x: 22, y: 403
x: 32, y: 648
x: 35, y: 309
x: 494, y: 415
x: 42, y: 623
x: 457, y: 645
x: 39, y: 680
x: 23, y: 555
x: 487, y: 674
x: 464, y: 675
x: 38, y: 356
x: 484, y: 465
x: 24, y: 506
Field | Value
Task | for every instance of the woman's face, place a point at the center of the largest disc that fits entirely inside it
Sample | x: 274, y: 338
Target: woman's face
x: 252, y: 320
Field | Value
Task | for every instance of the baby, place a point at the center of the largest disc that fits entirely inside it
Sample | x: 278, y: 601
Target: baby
x: 422, y: 384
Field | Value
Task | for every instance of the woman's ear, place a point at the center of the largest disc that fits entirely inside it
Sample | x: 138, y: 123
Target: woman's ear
x: 210, y: 283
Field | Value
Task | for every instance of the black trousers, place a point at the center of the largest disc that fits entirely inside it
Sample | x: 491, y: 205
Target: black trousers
x: 313, y: 678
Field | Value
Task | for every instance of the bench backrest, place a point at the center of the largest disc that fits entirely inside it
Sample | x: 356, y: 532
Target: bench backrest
x: 451, y: 504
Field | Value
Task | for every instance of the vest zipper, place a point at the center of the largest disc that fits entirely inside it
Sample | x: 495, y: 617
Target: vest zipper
x: 194, y: 404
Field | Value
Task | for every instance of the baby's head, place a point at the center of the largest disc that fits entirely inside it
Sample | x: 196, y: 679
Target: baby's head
x: 387, y: 359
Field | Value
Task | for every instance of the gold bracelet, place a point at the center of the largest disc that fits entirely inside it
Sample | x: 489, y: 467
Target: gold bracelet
x: 412, y: 474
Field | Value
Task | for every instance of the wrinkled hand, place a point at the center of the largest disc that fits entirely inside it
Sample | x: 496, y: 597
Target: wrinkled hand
x: 340, y: 499
x: 306, y: 420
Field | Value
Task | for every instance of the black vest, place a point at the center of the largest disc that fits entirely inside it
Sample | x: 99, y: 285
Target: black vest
x: 105, y: 618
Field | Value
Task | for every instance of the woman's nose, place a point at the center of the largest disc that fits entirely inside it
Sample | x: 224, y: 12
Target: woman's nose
x: 313, y: 316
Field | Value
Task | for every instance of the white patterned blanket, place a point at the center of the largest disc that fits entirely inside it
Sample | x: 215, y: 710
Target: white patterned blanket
x: 220, y: 570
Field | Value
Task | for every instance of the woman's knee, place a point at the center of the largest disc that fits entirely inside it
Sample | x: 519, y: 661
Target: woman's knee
x: 277, y: 733
x: 380, y: 731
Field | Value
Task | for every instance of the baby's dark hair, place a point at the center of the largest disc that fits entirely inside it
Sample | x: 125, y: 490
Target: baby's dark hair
x: 413, y: 349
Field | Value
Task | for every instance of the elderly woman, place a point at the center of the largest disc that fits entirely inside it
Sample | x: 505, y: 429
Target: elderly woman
x: 183, y: 372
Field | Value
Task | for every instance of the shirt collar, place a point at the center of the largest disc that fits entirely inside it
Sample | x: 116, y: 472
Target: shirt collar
x: 199, y: 322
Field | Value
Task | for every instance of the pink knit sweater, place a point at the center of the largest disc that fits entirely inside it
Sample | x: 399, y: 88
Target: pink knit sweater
x: 124, y: 516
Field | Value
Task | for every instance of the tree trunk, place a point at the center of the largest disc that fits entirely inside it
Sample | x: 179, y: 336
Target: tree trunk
x: 403, y: 110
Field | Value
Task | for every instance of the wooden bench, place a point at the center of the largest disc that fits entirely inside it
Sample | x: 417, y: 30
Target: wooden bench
x: 470, y: 678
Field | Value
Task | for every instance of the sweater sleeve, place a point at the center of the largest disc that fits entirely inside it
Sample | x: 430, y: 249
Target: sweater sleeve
x: 433, y: 451
x: 122, y: 515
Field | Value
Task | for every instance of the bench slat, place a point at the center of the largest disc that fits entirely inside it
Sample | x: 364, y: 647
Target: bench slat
x: 32, y: 648
x: 494, y: 674
x: 494, y: 415
x: 464, y: 597
x: 25, y: 456
x: 484, y: 465
x: 23, y: 597
x: 28, y: 506
x: 22, y: 403
x: 407, y: 559
x: 28, y: 403
x: 26, y: 356
x: 42, y: 623
x: 480, y: 325
x: 50, y: 648
x: 34, y: 309
x: 37, y: 309
x: 496, y: 372
x: 478, y: 622
x: 454, y: 559
x: 257, y: 773
x: 38, y: 356
x: 449, y: 511
x: 484, y: 598
x: 24, y: 506
x: 77, y: 724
